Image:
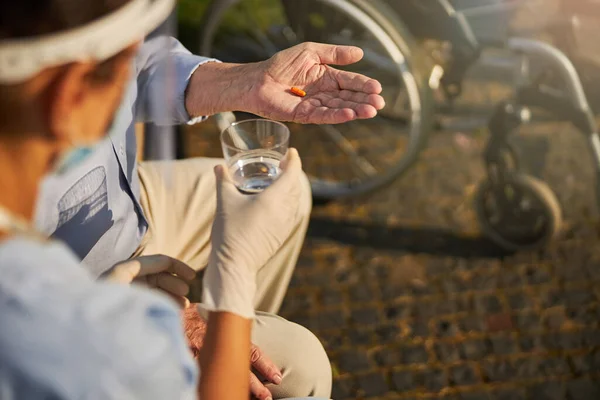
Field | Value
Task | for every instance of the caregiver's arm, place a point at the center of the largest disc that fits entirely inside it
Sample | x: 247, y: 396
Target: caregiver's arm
x: 65, y: 336
x: 224, y: 365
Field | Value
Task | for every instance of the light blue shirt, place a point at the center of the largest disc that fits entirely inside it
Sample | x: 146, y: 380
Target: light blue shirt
x: 95, y: 208
x: 65, y: 336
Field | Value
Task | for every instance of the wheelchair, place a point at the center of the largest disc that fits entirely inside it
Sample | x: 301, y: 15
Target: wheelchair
x: 515, y: 210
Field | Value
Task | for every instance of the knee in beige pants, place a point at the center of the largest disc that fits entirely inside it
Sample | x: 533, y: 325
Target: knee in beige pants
x: 298, y: 353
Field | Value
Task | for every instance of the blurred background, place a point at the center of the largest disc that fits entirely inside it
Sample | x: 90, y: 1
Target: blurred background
x: 453, y: 251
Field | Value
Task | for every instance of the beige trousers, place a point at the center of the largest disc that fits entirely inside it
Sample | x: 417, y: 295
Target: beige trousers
x: 179, y: 201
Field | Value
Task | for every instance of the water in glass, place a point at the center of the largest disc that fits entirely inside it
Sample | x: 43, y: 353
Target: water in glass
x: 253, y: 171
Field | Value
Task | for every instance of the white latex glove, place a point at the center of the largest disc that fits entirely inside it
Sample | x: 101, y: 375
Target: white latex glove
x: 246, y: 233
x: 156, y: 271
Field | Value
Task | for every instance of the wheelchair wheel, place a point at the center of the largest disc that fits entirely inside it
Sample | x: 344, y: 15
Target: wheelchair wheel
x: 360, y: 156
x: 519, y: 213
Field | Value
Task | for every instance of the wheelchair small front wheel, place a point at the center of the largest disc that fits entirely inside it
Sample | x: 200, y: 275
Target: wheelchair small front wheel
x: 519, y: 212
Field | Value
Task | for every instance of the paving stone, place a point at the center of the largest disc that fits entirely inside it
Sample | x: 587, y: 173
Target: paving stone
x: 583, y: 389
x: 404, y: 381
x: 528, y: 321
x: 509, y: 394
x: 387, y: 333
x: 530, y: 344
x: 555, y: 319
x: 416, y: 354
x: 464, y: 374
x: 472, y: 323
x: 574, y: 272
x: 331, y: 297
x: 423, y: 310
x: 445, y: 307
x: 386, y: 357
x: 434, y: 379
x: 595, y: 360
x: 365, y: 316
x: 331, y: 319
x: 397, y: 311
x: 547, y: 391
x: 485, y: 281
x: 391, y: 292
x: 552, y: 298
x: 579, y: 298
x: 498, y: 371
x: 373, y: 384
x: 332, y: 339
x: 511, y: 279
x: 582, y: 364
x: 455, y: 284
x: 447, y: 352
x: 353, y: 361
x: 591, y: 338
x: 499, y: 322
x: 419, y: 328
x: 475, y: 396
x: 446, y: 328
x: 344, y: 388
x: 536, y: 275
x: 317, y: 279
x: 503, y: 345
x: 298, y: 303
x: 438, y: 266
x: 474, y: 349
x: 361, y: 294
x: 360, y: 337
x: 527, y: 368
x: 520, y: 301
x: 554, y: 366
x: 563, y: 341
x: 488, y: 304
x: 583, y: 316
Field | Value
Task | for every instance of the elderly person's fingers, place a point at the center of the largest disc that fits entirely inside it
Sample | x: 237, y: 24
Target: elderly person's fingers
x: 165, y: 281
x: 264, y: 365
x: 334, y: 54
x: 258, y: 390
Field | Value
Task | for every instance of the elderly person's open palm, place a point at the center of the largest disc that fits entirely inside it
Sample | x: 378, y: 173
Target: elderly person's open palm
x: 332, y: 96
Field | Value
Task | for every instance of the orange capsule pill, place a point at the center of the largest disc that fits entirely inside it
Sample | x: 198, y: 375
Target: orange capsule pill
x: 298, y: 91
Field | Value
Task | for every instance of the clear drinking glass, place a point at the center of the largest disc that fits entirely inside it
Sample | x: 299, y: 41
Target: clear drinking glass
x: 253, y: 149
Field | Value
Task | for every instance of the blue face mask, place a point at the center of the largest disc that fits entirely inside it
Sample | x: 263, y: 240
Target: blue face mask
x: 73, y: 158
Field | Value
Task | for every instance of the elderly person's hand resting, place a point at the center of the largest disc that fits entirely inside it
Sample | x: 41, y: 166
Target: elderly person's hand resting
x: 332, y: 96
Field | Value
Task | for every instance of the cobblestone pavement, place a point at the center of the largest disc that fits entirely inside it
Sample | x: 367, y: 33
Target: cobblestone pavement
x: 411, y: 303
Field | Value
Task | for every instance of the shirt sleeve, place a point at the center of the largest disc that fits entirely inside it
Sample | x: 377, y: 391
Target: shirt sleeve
x: 65, y: 336
x: 164, y: 67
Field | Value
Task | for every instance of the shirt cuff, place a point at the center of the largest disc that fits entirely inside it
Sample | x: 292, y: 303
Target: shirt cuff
x: 186, y: 65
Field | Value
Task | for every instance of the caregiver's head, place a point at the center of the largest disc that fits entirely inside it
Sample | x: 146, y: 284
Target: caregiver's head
x: 64, y: 65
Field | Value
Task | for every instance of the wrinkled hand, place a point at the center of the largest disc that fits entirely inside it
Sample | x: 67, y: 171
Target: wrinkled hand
x: 156, y: 271
x: 195, y: 329
x: 333, y: 96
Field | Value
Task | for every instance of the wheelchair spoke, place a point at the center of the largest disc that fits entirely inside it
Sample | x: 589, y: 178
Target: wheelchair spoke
x: 362, y: 164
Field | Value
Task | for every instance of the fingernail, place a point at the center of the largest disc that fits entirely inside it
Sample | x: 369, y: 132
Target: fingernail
x: 269, y: 398
x: 277, y: 379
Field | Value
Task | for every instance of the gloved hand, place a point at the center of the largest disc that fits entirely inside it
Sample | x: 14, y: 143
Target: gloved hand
x: 246, y: 233
x: 156, y: 271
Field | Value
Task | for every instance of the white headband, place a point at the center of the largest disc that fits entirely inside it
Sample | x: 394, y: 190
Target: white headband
x: 21, y: 59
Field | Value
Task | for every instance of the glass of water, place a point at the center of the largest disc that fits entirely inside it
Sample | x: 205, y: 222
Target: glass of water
x: 253, y: 149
